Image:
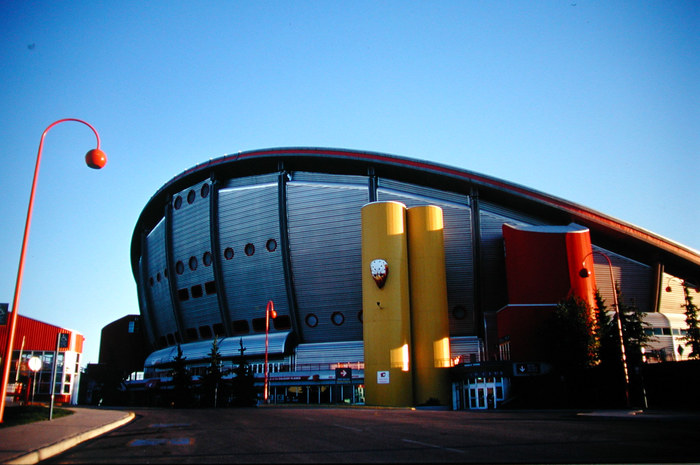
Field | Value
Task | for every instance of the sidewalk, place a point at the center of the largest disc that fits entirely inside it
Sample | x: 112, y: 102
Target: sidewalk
x: 40, y: 440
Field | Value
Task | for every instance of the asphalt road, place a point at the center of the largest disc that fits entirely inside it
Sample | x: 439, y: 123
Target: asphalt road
x: 363, y: 435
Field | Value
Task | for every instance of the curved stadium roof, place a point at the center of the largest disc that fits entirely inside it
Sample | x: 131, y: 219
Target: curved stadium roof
x: 633, y: 241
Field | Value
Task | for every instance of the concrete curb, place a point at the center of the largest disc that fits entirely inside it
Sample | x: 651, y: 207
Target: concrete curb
x: 44, y: 453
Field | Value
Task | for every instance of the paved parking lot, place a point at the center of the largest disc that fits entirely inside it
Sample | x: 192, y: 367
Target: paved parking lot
x: 362, y: 435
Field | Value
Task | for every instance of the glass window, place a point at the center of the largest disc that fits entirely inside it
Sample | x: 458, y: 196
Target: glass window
x: 249, y: 249
x: 228, y: 253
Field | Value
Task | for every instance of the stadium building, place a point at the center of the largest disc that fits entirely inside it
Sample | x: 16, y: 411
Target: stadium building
x: 297, y: 227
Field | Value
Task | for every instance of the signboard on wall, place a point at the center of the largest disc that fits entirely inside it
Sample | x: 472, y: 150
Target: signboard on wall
x: 382, y: 377
x: 3, y: 314
x: 343, y: 375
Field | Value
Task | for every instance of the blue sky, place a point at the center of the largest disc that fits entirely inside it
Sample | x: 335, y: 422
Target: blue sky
x: 596, y: 102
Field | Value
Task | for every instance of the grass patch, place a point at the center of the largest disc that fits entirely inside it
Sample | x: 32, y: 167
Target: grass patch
x: 22, y: 414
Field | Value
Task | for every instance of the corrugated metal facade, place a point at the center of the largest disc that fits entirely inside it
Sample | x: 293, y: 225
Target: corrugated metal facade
x: 325, y: 246
x: 157, y: 288
x: 250, y: 255
x: 39, y: 335
x: 672, y: 296
x: 192, y: 256
x: 635, y: 280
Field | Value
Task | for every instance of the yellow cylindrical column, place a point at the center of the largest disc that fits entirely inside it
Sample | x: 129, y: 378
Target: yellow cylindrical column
x: 429, y: 320
x: 386, y: 305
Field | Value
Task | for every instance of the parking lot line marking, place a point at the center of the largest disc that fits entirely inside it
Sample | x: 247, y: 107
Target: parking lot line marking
x: 435, y: 446
x: 160, y: 442
x: 348, y: 427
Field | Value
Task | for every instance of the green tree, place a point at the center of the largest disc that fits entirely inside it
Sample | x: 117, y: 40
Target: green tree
x: 692, y: 337
x: 572, y: 337
x: 634, y: 332
x: 606, y: 333
x: 182, y: 381
x: 211, y: 380
x: 634, y: 329
x: 244, y: 382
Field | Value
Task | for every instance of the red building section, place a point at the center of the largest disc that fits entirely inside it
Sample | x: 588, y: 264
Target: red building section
x: 36, y: 338
x: 542, y: 268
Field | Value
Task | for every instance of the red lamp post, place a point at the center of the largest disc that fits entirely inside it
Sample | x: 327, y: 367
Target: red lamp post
x: 585, y: 273
x: 96, y: 159
x: 269, y: 313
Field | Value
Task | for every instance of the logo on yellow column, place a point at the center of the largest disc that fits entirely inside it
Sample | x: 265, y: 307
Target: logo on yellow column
x: 380, y: 270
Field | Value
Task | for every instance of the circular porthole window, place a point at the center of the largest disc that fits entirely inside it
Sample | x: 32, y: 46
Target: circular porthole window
x: 191, y: 196
x: 207, y: 258
x: 150, y: 280
x: 165, y: 273
x: 249, y: 249
x: 337, y: 318
x: 158, y: 277
x: 180, y: 267
x: 204, y: 192
x: 311, y: 320
x: 178, y: 202
x: 228, y: 253
x: 459, y: 312
x: 193, y: 263
x: 271, y: 245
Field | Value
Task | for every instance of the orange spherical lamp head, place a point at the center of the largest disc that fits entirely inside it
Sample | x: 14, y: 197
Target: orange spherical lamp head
x: 96, y: 159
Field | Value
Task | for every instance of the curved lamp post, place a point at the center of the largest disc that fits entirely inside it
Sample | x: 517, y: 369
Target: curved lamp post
x: 269, y: 313
x: 96, y: 159
x: 585, y: 273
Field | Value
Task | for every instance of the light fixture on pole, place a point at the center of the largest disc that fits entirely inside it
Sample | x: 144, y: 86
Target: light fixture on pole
x: 585, y: 273
x: 682, y: 282
x: 94, y: 158
x: 269, y: 313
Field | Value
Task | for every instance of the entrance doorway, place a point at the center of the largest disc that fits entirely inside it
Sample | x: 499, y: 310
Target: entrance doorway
x: 481, y: 393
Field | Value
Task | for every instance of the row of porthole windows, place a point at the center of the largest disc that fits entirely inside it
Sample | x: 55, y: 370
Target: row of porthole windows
x: 337, y: 318
x: 249, y: 249
x: 207, y: 259
x: 239, y: 327
x: 192, y: 196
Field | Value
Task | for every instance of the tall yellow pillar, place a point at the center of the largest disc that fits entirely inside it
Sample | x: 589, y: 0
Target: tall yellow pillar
x: 386, y: 305
x: 429, y: 319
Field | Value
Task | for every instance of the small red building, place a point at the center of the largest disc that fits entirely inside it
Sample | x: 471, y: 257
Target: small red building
x: 34, y: 338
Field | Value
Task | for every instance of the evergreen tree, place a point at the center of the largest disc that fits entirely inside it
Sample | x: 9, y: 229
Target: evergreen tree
x: 212, y: 378
x: 572, y: 336
x: 633, y: 329
x: 634, y: 332
x: 692, y: 336
x: 182, y: 381
x: 606, y: 333
x: 244, y: 382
